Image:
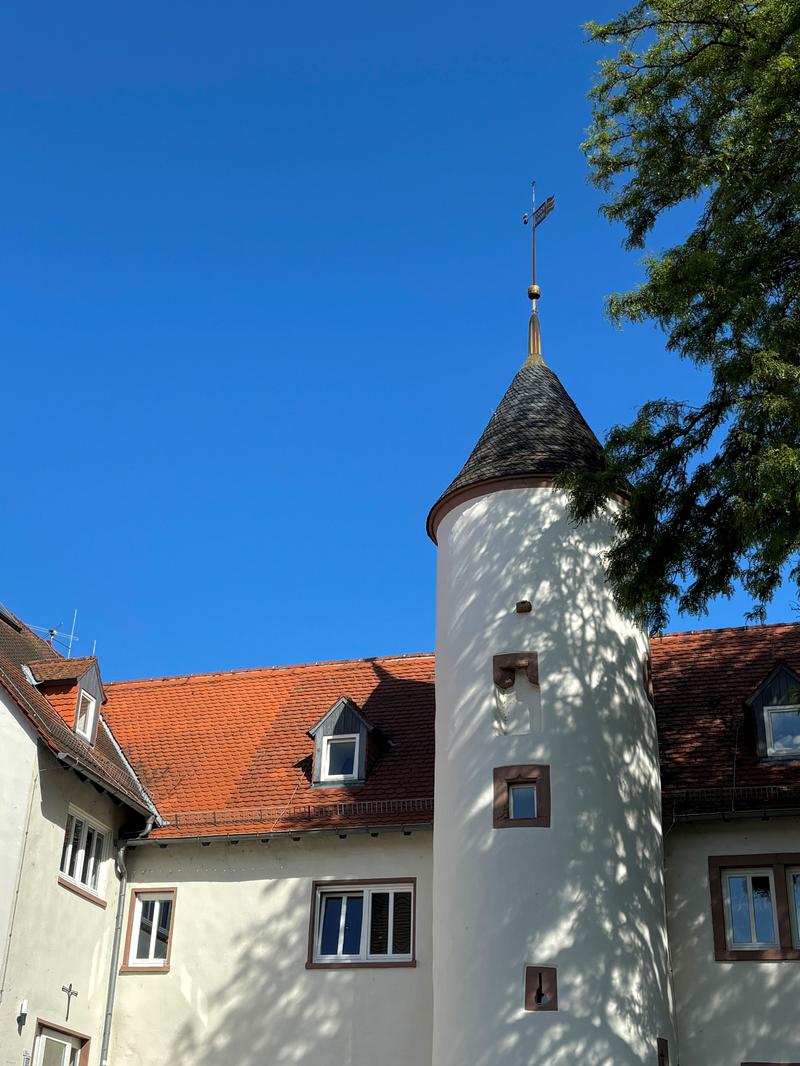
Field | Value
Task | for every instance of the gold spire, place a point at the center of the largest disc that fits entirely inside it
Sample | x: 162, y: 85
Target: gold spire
x: 536, y: 217
x: 534, y: 330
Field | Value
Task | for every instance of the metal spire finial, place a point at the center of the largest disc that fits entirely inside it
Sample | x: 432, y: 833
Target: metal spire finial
x: 536, y: 217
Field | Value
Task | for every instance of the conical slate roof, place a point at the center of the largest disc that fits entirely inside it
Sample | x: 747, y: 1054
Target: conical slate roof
x: 537, y: 431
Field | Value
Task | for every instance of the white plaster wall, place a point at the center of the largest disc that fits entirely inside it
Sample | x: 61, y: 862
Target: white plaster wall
x: 727, y: 1012
x: 585, y: 895
x: 58, y: 937
x: 17, y: 761
x: 238, y: 990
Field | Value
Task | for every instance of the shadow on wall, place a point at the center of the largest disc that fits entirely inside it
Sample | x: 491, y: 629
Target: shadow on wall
x: 255, y: 1004
x: 587, y: 894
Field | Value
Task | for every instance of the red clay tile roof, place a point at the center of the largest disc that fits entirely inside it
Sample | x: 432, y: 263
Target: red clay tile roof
x: 227, y: 753
x: 20, y: 646
x: 707, y: 739
x: 59, y: 669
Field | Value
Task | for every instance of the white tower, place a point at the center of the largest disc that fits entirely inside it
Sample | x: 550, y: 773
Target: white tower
x: 550, y: 944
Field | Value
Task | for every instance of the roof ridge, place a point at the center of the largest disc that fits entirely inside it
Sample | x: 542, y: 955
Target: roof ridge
x: 211, y: 675
x: 760, y: 626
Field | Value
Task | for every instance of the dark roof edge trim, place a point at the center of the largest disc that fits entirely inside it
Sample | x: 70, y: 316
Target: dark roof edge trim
x: 68, y: 759
x: 283, y: 834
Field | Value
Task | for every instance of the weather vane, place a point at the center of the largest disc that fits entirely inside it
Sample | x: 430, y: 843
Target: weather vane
x: 535, y: 217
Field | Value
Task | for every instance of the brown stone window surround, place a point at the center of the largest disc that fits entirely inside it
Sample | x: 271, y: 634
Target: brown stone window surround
x: 776, y: 864
x: 320, y: 887
x: 535, y: 774
x: 164, y: 965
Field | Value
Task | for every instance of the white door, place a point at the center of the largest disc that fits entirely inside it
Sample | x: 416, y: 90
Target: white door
x: 56, y: 1049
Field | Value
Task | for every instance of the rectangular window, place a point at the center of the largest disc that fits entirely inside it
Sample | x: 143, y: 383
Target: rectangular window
x: 152, y: 912
x: 751, y: 920
x: 521, y: 797
x: 340, y: 758
x: 783, y: 730
x: 85, y: 715
x: 755, y: 907
x: 55, y: 1047
x: 362, y: 924
x: 83, y: 852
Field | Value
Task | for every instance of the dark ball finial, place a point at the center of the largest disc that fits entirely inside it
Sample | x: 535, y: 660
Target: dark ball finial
x: 534, y: 292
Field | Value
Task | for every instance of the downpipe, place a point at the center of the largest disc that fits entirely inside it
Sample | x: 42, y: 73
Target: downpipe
x: 122, y: 873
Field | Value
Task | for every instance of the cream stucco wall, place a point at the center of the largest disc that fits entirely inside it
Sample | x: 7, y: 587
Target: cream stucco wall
x: 728, y: 1012
x: 58, y: 937
x: 238, y: 990
x: 585, y: 895
x: 17, y: 762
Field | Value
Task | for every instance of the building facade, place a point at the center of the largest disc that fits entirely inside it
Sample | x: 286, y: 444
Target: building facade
x: 568, y: 843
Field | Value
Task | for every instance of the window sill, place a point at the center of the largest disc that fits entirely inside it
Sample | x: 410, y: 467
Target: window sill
x: 144, y: 969
x: 84, y: 893
x: 361, y: 965
x: 758, y: 955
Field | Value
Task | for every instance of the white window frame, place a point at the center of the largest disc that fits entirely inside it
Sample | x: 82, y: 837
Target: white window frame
x: 794, y: 916
x: 151, y: 962
x: 338, y: 738
x: 91, y: 715
x: 67, y: 849
x: 366, y: 892
x: 749, y: 873
x: 772, y: 751
x: 72, y: 1045
x: 522, y: 784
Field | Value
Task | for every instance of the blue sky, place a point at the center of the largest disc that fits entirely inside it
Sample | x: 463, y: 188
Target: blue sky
x: 262, y: 281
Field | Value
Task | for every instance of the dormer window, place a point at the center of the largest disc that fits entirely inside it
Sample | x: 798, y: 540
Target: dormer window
x: 776, y: 713
x: 346, y: 746
x: 340, y: 758
x: 85, y: 715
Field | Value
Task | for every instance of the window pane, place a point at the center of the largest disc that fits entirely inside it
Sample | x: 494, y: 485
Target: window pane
x: 341, y: 758
x: 67, y: 839
x: 352, y: 925
x: 84, y: 705
x: 162, y: 929
x: 331, y: 915
x: 794, y: 905
x: 379, y: 931
x: 740, y: 910
x: 401, y: 927
x: 88, y: 851
x: 53, y: 1054
x: 762, y: 909
x: 145, y: 928
x: 77, y: 830
x: 98, y: 858
x: 523, y: 801
x: 785, y: 731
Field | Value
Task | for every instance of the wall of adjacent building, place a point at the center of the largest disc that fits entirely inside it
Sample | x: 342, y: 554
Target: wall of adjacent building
x: 17, y: 761
x: 238, y: 990
x: 58, y: 937
x: 727, y: 1012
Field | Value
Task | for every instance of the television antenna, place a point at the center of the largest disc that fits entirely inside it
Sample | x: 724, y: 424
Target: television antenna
x: 55, y: 636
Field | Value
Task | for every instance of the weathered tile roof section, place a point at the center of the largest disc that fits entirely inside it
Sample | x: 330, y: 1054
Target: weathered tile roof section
x: 20, y: 646
x: 59, y: 669
x: 228, y: 753
x: 707, y: 736
x: 535, y: 431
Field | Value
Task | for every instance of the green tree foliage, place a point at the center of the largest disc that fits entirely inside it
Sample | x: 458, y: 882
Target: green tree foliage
x: 701, y: 102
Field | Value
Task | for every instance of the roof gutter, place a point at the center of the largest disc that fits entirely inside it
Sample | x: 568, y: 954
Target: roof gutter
x: 284, y: 834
